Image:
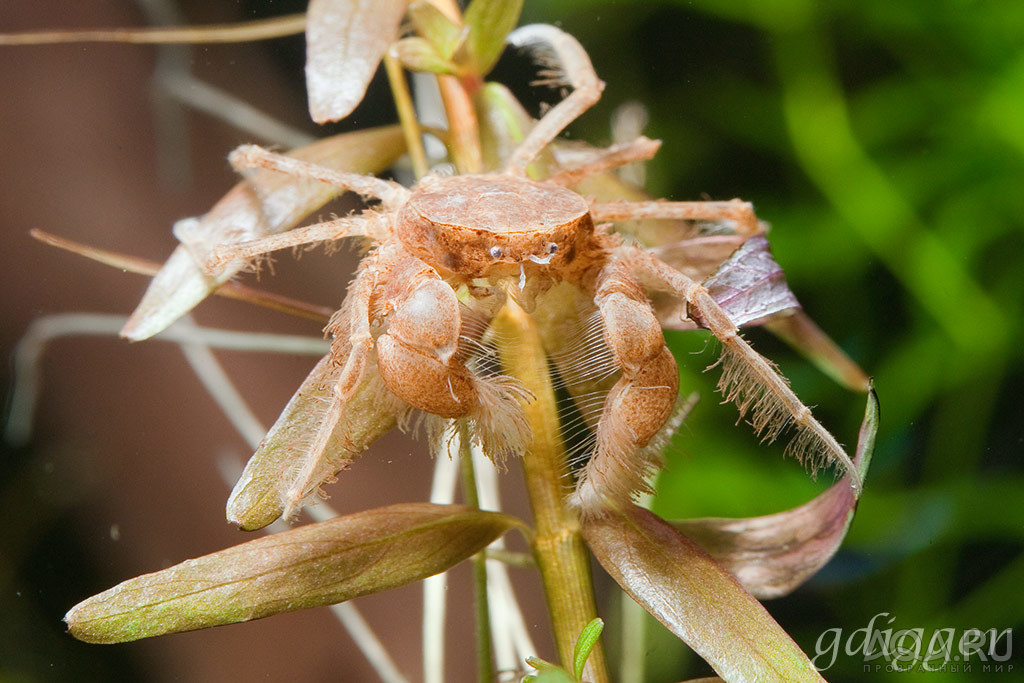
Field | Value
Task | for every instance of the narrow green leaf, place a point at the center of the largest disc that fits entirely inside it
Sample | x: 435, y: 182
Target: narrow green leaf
x: 418, y: 54
x: 584, y: 644
x: 435, y: 26
x: 547, y: 672
x: 311, y: 566
x: 489, y: 21
x: 773, y: 554
x: 687, y: 591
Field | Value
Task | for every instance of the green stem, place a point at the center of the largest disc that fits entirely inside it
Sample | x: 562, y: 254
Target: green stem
x: 485, y: 667
x: 558, y: 546
x: 407, y: 116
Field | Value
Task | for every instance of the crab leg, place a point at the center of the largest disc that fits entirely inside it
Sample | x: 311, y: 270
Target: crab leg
x: 733, y: 210
x: 640, y: 402
x: 419, y: 361
x: 747, y: 377
x: 572, y: 59
x: 641, y: 149
x: 390, y: 193
x: 363, y: 225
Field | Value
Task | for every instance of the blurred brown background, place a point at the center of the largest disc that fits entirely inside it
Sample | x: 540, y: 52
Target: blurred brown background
x: 120, y: 477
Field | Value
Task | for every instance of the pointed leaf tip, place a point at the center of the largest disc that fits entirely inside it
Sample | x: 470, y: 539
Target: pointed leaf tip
x: 309, y: 444
x: 238, y: 216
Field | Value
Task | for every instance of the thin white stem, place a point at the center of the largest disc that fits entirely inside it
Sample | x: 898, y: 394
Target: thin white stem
x: 190, y: 91
x: 368, y: 643
x: 196, y: 343
x: 30, y: 348
x: 435, y: 588
x: 511, y: 639
x: 223, y: 391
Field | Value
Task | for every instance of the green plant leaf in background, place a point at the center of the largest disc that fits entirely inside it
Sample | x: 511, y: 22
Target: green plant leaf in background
x: 310, y: 566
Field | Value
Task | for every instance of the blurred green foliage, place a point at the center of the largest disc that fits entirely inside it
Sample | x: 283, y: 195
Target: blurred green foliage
x: 885, y: 143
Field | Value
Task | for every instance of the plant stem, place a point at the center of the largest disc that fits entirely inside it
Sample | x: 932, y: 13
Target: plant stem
x: 464, y: 131
x: 485, y: 666
x: 558, y: 546
x: 407, y: 116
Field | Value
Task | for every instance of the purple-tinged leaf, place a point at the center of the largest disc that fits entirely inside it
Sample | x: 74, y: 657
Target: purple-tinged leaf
x: 694, y: 597
x: 240, y: 215
x: 310, y: 566
x: 309, y: 444
x: 750, y: 286
x: 773, y: 554
x: 697, y: 258
x: 345, y: 41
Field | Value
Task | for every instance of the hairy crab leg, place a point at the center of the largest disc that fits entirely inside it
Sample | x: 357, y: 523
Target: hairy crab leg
x: 363, y: 225
x: 737, y: 210
x: 748, y: 378
x: 391, y: 194
x: 572, y: 59
x: 641, y: 149
x: 640, y: 402
x: 419, y: 361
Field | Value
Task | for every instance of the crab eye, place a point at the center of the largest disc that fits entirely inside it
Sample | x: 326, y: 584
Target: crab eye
x: 552, y: 247
x: 496, y: 252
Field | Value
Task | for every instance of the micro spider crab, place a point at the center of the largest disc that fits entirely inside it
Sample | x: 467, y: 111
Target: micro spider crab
x: 449, y: 252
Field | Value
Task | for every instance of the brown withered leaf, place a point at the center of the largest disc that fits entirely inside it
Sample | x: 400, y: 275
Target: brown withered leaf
x: 345, y: 41
x: 240, y: 215
x: 694, y: 597
x: 773, y: 554
x: 308, y: 445
x: 310, y: 566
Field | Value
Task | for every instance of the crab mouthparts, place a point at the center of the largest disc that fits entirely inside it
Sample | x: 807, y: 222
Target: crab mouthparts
x: 522, y: 276
x: 537, y: 259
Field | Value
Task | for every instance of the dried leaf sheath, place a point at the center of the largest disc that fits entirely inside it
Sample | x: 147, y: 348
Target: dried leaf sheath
x: 309, y: 443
